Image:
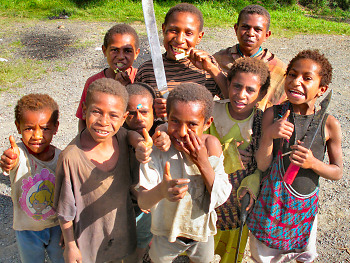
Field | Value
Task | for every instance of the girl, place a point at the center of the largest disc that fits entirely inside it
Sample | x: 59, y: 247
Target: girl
x: 237, y: 122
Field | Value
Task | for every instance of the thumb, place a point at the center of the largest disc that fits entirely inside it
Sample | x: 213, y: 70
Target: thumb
x: 158, y: 133
x: 13, y: 142
x: 286, y: 115
x: 167, y: 175
x: 148, y: 139
x: 239, y: 143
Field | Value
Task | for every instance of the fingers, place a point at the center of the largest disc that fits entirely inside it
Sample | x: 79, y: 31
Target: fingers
x: 142, y: 152
x: 160, y: 107
x: 286, y: 115
x: 161, y: 141
x: 167, y: 175
x: 148, y: 140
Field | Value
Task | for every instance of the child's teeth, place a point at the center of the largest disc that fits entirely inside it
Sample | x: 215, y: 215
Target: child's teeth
x: 119, y: 65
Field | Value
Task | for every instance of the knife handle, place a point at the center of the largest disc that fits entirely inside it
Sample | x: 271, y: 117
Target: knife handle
x: 291, y: 173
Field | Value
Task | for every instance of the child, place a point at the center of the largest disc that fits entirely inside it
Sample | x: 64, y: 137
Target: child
x: 121, y: 48
x: 93, y: 180
x: 283, y: 222
x: 31, y: 166
x: 182, y: 31
x: 183, y: 185
x: 239, y: 121
x: 252, y: 30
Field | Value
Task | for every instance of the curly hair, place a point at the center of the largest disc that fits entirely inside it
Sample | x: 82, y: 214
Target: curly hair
x: 191, y: 92
x: 255, y: 9
x: 185, y: 8
x: 107, y: 86
x: 122, y: 29
x: 325, y: 66
x: 251, y: 65
x: 139, y: 88
x: 36, y: 102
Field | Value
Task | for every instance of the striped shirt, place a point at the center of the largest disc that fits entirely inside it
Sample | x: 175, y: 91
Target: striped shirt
x: 177, y: 71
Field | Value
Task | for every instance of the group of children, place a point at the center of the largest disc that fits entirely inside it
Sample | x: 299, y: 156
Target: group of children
x: 128, y: 180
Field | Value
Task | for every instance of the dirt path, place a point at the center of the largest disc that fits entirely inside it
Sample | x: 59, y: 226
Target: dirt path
x: 71, y: 53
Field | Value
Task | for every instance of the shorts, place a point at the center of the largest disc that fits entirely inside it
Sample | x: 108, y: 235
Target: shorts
x: 143, y: 230
x: 264, y: 254
x: 163, y: 251
x: 32, y: 245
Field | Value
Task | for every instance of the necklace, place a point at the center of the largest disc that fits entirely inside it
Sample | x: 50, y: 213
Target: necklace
x: 252, y: 56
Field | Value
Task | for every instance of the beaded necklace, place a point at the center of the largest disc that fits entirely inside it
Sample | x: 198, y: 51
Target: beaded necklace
x: 252, y: 56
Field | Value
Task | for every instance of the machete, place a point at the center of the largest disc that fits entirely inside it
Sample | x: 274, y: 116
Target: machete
x: 244, y: 213
x: 156, y: 53
x: 293, y: 169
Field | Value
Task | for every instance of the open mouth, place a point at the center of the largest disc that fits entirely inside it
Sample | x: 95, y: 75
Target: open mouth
x: 101, y: 132
x: 180, y: 53
x: 119, y: 66
x: 296, y: 93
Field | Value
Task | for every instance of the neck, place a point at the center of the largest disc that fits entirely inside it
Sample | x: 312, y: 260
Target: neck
x: 238, y: 116
x: 252, y: 53
x: 304, y: 109
x: 45, y: 155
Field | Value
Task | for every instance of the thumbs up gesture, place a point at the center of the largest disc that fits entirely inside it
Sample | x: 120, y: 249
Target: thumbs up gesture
x: 10, y: 157
x: 161, y: 140
x: 282, y: 128
x: 171, y: 189
x: 143, y: 149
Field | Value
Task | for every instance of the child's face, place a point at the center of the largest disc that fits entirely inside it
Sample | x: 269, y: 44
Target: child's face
x: 251, y: 32
x: 244, y: 94
x: 302, y: 84
x: 181, y: 32
x: 121, y: 53
x: 37, y: 129
x: 184, y: 116
x: 140, y: 110
x: 104, y: 116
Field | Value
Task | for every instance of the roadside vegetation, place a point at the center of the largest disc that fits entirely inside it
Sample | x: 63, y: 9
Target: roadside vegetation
x: 288, y: 18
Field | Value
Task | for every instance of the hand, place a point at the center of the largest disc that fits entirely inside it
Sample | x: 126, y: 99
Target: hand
x: 10, y: 157
x: 123, y: 78
x: 244, y: 191
x: 72, y: 253
x: 301, y: 156
x: 246, y: 156
x: 171, y: 188
x: 160, y: 107
x: 161, y: 140
x: 143, y: 149
x: 201, y: 59
x: 282, y: 128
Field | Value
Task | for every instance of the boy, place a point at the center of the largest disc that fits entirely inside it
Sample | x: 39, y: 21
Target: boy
x: 183, y: 186
x: 121, y: 48
x: 92, y: 196
x: 182, y: 31
x: 252, y: 30
x: 31, y: 166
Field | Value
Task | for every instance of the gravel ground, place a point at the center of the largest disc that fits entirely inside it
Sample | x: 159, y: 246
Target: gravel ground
x: 71, y: 52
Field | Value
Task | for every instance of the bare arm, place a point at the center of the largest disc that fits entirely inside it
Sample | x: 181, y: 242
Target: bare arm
x: 71, y: 252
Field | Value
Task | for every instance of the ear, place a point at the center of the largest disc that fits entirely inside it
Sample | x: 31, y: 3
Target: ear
x: 208, y: 123
x: 200, y: 36
x: 268, y: 34
x: 18, y: 127
x: 104, y: 50
x: 236, y: 28
x: 56, y: 127
x: 125, y: 115
x: 84, y: 110
x: 322, y: 90
x: 163, y: 28
x: 137, y: 52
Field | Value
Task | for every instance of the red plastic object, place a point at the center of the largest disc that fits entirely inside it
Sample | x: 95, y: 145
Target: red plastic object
x: 290, y: 174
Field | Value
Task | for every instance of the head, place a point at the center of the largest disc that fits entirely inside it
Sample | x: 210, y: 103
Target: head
x: 182, y: 29
x: 121, y: 46
x: 36, y: 119
x: 105, y: 108
x: 189, y: 107
x: 307, y: 76
x: 140, y: 107
x: 249, y: 79
x: 252, y: 28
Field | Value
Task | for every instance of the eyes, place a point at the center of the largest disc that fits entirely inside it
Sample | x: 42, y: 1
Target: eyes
x: 134, y: 113
x: 98, y: 113
x: 238, y: 87
x: 124, y: 50
x: 176, y: 31
x: 292, y: 74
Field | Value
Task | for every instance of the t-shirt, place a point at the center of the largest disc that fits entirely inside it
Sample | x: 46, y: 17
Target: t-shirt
x: 98, y: 202
x: 176, y: 72
x: 131, y: 71
x: 275, y: 95
x: 193, y: 216
x: 32, y: 192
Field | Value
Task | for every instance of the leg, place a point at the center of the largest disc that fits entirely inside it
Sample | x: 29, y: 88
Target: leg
x: 163, y: 251
x: 31, y: 246
x: 201, y: 252
x: 144, y: 235
x: 54, y: 250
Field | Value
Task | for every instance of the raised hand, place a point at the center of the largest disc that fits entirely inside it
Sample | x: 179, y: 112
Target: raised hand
x: 160, y: 107
x: 301, y: 156
x: 195, y: 148
x: 161, y: 140
x: 171, y: 188
x: 143, y: 149
x: 282, y: 128
x: 10, y: 157
x: 245, y: 156
x: 200, y: 59
x: 123, y: 77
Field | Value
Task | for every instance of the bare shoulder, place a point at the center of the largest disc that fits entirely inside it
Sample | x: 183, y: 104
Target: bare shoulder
x: 268, y: 116
x: 212, y: 144
x: 332, y: 128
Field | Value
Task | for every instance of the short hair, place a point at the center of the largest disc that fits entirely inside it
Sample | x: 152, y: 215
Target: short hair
x: 255, y: 9
x: 122, y: 29
x: 191, y: 92
x: 325, y: 66
x: 140, y: 88
x: 36, y: 102
x: 254, y: 66
x: 107, y: 86
x: 185, y: 8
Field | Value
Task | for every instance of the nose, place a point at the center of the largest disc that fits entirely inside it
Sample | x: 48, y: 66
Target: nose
x: 297, y: 80
x: 180, y: 38
x: 38, y: 134
x: 182, y: 131
x: 242, y: 93
x: 139, y: 116
x: 251, y: 31
x: 104, y: 120
x: 120, y: 54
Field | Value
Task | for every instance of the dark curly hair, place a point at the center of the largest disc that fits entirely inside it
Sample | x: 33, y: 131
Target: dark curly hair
x: 107, y: 86
x: 191, y: 92
x: 122, y: 29
x: 252, y: 65
x: 140, y: 88
x: 185, y: 8
x: 325, y: 66
x: 36, y: 102
x: 255, y: 9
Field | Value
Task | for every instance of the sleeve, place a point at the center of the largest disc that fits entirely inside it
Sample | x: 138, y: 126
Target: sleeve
x: 221, y: 187
x: 79, y: 112
x: 151, y: 174
x: 251, y: 183
x: 64, y: 201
